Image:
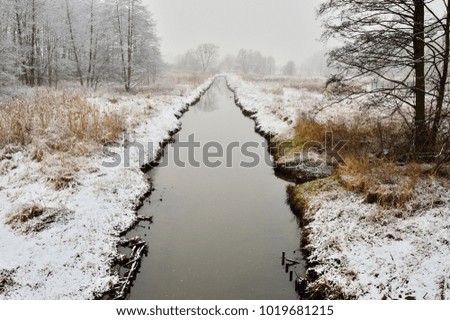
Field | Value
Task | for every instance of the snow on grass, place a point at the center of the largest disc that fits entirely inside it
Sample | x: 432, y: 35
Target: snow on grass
x: 70, y: 257
x: 277, y: 104
x: 374, y: 253
x: 271, y: 115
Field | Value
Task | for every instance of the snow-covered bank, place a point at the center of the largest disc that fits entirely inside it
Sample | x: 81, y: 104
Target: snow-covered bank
x: 355, y: 249
x: 65, y: 243
x: 271, y: 115
x: 362, y: 251
x: 276, y: 116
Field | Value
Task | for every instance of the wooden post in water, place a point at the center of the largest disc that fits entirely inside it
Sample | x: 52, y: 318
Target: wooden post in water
x: 283, y: 258
x: 291, y: 276
x: 287, y: 267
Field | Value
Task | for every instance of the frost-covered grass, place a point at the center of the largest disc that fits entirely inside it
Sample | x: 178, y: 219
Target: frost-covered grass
x: 53, y: 121
x: 375, y: 229
x: 62, y: 214
x: 364, y: 251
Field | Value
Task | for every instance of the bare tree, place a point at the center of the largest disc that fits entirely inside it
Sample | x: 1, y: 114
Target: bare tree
x: 398, y: 42
x: 441, y: 65
x: 188, y: 62
x: 290, y: 69
x: 270, y: 66
x: 207, y: 54
x: 244, y: 60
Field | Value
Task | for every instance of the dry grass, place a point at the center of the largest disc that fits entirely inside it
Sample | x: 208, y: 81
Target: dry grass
x: 6, y: 279
x: 309, y: 85
x: 278, y: 90
x: 25, y: 214
x: 191, y: 78
x: 35, y: 218
x: 61, y: 122
x: 363, y: 139
x: 63, y: 181
x: 371, y: 158
x: 381, y: 181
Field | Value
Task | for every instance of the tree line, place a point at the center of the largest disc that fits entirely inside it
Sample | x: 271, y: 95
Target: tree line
x: 205, y: 58
x: 43, y: 42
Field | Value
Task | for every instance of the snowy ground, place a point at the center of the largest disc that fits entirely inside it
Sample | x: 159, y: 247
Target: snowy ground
x: 360, y: 250
x: 65, y: 250
x: 367, y: 252
x: 277, y: 104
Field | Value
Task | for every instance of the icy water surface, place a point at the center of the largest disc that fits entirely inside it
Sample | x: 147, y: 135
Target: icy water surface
x: 218, y: 233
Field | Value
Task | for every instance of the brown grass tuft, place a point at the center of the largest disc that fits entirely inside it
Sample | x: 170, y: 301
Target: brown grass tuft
x: 6, y: 279
x: 278, y: 91
x: 35, y: 218
x: 371, y: 158
x: 25, y: 214
x: 54, y: 121
x: 64, y: 181
x: 309, y: 85
x: 381, y: 181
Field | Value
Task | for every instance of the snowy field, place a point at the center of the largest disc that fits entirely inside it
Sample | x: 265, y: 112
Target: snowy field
x: 62, y: 244
x: 357, y: 250
x: 278, y: 103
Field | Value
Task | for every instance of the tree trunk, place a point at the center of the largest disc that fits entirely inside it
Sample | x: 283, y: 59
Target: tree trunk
x: 130, y: 44
x: 443, y: 80
x: 32, y: 61
x: 49, y: 62
x: 421, y: 131
x: 23, y: 75
x: 72, y: 38
x: 91, y: 48
x: 124, y: 68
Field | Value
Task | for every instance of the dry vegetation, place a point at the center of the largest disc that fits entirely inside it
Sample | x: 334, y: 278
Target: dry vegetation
x: 57, y: 122
x: 6, y: 279
x: 25, y: 214
x: 311, y: 85
x: 377, y: 158
x: 35, y: 218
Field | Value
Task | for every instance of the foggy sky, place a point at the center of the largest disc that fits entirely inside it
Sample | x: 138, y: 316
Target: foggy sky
x: 285, y: 29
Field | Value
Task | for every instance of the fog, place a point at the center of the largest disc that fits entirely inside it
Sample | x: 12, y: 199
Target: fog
x: 284, y: 29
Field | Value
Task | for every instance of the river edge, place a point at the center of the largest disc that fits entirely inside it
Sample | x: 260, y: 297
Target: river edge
x: 381, y: 263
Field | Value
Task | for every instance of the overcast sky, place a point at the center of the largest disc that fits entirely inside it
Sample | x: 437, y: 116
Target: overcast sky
x: 285, y: 29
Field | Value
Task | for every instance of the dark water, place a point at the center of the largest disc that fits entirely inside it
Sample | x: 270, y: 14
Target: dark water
x: 218, y: 233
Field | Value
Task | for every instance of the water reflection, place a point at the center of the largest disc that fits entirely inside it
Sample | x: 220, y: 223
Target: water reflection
x: 218, y: 233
